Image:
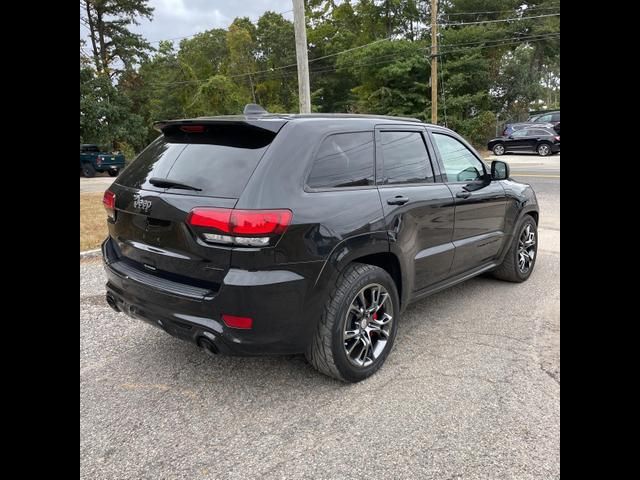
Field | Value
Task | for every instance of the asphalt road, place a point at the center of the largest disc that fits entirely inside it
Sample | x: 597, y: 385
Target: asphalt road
x: 471, y: 390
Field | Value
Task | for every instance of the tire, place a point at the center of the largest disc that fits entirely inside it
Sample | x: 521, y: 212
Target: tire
x: 327, y: 351
x: 498, y: 149
x: 113, y: 172
x: 510, y: 270
x: 88, y: 170
x: 544, y: 149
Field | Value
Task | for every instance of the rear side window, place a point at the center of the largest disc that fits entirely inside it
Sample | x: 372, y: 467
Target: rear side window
x: 541, y: 133
x: 343, y: 160
x: 405, y: 158
x: 219, y: 160
x: 555, y: 117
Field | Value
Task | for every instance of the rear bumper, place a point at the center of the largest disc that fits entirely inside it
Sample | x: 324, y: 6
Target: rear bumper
x: 103, y: 167
x: 273, y: 299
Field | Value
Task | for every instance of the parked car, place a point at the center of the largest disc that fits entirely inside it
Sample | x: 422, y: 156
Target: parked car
x: 281, y: 234
x: 548, y: 117
x: 93, y: 160
x: 544, y: 141
x: 509, y: 128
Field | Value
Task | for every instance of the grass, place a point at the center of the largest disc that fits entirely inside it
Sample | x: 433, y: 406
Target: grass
x: 93, y: 221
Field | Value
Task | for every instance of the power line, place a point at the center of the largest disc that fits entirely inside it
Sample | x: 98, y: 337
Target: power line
x: 444, y: 101
x: 547, y: 7
x: 496, y: 21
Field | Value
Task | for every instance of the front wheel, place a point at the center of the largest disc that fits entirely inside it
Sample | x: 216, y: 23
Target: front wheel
x: 521, y: 257
x: 498, y: 149
x: 544, y: 149
x: 358, y: 325
x: 113, y: 172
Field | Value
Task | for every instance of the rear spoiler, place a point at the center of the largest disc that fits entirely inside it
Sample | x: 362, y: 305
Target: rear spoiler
x: 273, y: 124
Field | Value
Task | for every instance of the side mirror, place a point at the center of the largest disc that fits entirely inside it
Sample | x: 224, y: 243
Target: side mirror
x: 499, y: 170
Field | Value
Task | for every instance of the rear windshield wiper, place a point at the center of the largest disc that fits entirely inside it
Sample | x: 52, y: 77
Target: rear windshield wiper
x: 167, y: 183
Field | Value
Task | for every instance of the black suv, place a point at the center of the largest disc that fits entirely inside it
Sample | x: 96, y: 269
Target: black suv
x: 281, y: 234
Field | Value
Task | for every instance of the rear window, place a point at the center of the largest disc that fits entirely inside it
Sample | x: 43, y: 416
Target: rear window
x: 343, y: 160
x: 219, y: 161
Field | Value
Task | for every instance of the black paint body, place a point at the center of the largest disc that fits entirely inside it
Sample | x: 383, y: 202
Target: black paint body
x: 432, y: 241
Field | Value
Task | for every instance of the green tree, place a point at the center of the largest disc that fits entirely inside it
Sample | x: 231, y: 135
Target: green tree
x: 111, y: 40
x: 105, y: 113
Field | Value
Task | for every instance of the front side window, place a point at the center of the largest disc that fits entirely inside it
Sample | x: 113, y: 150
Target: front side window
x: 544, y: 118
x: 520, y: 133
x: 405, y: 158
x: 344, y: 160
x: 460, y: 164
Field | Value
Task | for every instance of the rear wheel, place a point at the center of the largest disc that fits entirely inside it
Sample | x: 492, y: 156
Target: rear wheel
x: 113, y: 172
x: 521, y: 257
x: 498, y: 149
x: 88, y: 170
x: 544, y: 149
x: 358, y: 325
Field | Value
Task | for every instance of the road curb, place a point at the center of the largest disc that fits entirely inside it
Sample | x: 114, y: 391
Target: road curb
x: 91, y: 253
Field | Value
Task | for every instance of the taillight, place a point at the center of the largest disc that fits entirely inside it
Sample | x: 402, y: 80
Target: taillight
x: 192, y: 128
x: 234, y: 321
x: 558, y: 138
x: 252, y: 228
x: 109, y: 202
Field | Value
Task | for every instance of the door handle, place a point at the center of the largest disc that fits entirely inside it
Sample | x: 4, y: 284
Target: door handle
x: 398, y: 200
x: 463, y: 194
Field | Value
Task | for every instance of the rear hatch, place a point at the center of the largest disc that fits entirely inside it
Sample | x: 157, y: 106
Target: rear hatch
x: 194, y: 163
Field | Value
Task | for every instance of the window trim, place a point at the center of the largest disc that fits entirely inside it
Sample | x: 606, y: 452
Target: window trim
x: 379, y: 155
x: 314, y: 153
x: 466, y: 145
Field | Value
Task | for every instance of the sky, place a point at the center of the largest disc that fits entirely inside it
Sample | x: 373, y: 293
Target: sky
x: 180, y: 18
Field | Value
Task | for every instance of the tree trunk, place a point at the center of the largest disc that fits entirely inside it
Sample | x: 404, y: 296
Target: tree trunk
x: 103, y: 50
x: 92, y: 31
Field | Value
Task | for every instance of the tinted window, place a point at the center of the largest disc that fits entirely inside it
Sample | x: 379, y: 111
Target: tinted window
x: 405, y: 158
x: 460, y: 164
x: 219, y: 161
x: 520, y: 133
x: 555, y: 117
x: 544, y: 118
x: 343, y: 160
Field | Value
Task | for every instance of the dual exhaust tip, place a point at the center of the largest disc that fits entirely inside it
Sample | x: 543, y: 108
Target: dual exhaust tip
x: 203, y: 342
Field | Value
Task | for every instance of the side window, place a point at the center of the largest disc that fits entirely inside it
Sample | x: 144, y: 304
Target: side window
x: 555, y: 117
x: 544, y: 118
x: 520, y: 133
x: 405, y: 158
x: 541, y: 133
x: 460, y: 164
x: 344, y: 160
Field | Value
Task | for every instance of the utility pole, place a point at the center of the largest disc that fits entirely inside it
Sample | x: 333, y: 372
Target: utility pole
x: 300, y: 27
x: 434, y: 61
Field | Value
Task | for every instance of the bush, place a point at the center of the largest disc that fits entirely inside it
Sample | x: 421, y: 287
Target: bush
x: 477, y: 130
